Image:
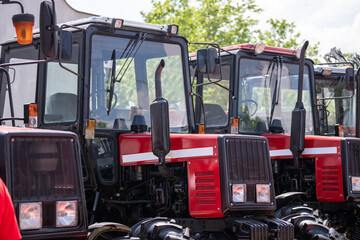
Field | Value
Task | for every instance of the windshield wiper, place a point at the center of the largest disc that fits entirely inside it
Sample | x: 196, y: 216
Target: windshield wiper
x: 275, y: 96
x: 129, y: 54
x: 269, y: 74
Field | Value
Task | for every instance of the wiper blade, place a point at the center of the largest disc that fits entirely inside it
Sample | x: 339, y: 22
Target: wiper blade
x: 275, y: 96
x: 269, y: 74
x: 129, y: 54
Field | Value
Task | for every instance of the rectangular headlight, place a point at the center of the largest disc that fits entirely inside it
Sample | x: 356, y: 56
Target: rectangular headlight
x: 238, y: 192
x: 263, y: 193
x: 355, y: 184
x: 30, y: 216
x: 66, y: 213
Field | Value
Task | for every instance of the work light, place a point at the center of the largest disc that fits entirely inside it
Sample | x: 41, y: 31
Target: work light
x: 66, y: 213
x: 23, y: 24
x: 263, y: 193
x: 30, y: 216
x: 238, y: 192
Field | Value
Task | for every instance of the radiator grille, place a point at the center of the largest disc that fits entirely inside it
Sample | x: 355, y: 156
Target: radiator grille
x: 248, y: 160
x: 44, y: 168
x: 354, y: 158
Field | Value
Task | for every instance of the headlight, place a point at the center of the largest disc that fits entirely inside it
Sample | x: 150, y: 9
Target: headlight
x: 66, y: 214
x: 30, y: 216
x: 263, y: 193
x: 355, y: 184
x: 238, y: 192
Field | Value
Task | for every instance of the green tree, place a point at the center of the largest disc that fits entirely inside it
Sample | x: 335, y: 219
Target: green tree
x: 225, y: 22
x: 220, y: 21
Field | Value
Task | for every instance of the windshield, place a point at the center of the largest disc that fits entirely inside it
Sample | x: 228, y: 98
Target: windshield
x: 267, y: 96
x: 134, y: 88
x: 336, y: 104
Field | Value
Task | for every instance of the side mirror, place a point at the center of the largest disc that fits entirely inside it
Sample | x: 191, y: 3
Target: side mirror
x: 65, y: 50
x: 349, y: 79
x: 48, y: 34
x: 206, y: 60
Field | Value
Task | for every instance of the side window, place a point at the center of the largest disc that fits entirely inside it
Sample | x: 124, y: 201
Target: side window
x: 103, y: 150
x: 23, y: 79
x: 216, y: 98
x: 62, y: 91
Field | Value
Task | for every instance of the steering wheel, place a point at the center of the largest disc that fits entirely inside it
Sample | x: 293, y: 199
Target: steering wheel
x: 251, y: 106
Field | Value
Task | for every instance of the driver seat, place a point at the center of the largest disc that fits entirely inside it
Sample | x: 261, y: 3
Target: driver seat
x: 62, y: 107
x: 215, y: 115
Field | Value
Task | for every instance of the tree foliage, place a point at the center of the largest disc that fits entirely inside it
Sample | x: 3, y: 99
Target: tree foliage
x: 226, y: 22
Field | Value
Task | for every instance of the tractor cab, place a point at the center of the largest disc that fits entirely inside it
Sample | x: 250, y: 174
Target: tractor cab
x: 336, y: 95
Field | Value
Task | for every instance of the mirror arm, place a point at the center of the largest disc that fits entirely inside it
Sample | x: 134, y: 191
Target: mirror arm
x: 13, y: 2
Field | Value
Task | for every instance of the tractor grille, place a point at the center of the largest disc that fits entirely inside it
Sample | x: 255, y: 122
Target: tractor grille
x: 248, y: 160
x: 43, y: 168
x: 353, y: 149
x: 245, y: 160
x: 350, y: 152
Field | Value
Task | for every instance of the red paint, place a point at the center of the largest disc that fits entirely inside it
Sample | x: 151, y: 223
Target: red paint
x: 141, y: 143
x: 204, y: 188
x: 203, y: 172
x: 328, y: 167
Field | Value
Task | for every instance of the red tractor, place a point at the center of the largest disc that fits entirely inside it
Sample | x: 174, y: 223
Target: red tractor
x: 124, y: 89
x: 252, y: 89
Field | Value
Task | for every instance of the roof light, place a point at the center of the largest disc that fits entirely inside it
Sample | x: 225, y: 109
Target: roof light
x: 263, y: 193
x: 298, y: 52
x: 172, y: 29
x: 117, y: 23
x: 259, y: 48
x: 66, y: 213
x: 23, y: 24
x: 326, y: 72
x: 238, y: 192
x: 30, y: 216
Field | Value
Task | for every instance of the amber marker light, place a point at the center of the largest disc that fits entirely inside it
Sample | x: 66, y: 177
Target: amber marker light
x: 23, y: 24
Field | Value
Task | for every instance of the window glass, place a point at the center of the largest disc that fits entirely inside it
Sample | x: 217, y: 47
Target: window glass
x: 61, y: 91
x: 267, y: 96
x: 129, y: 66
x: 336, y: 104
x: 216, y: 97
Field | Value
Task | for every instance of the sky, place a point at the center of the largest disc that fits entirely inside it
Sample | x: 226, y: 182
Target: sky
x: 333, y: 23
